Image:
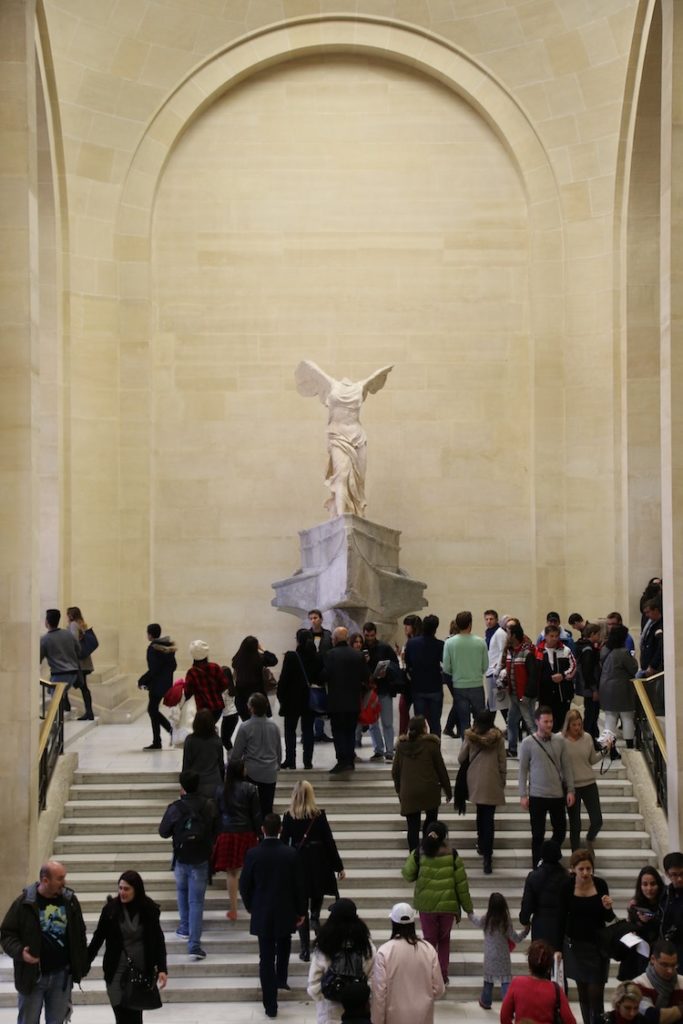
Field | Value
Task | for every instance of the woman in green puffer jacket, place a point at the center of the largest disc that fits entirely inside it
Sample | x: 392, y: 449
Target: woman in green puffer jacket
x: 442, y: 892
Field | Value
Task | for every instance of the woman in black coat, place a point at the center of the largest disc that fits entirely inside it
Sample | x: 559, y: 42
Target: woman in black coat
x: 542, y: 897
x: 129, y: 927
x: 301, y: 669
x: 306, y: 828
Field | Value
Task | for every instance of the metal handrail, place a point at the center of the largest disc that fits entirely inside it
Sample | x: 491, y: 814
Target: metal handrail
x: 646, y: 703
x: 52, y: 712
x: 51, y: 739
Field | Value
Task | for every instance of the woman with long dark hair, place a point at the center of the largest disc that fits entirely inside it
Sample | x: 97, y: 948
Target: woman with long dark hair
x: 306, y: 828
x: 342, y: 931
x: 419, y: 776
x: 78, y: 627
x: 535, y: 996
x: 645, y: 914
x: 301, y: 670
x: 406, y: 978
x: 248, y: 665
x: 239, y: 810
x: 129, y: 928
x: 441, y: 889
x: 203, y: 753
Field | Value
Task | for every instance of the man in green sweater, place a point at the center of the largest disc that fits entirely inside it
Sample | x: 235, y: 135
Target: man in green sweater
x: 465, y: 661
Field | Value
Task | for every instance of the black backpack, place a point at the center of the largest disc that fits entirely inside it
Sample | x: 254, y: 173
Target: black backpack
x: 192, y: 838
x: 344, y: 981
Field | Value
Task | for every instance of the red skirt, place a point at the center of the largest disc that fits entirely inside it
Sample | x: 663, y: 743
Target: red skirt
x: 230, y: 850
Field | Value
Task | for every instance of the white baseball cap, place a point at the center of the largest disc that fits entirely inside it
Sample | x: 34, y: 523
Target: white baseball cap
x: 402, y: 913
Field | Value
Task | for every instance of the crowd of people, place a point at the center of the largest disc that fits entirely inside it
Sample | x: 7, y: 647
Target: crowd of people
x: 512, y: 697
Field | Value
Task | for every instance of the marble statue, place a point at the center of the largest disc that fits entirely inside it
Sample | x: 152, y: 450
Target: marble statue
x: 346, y: 438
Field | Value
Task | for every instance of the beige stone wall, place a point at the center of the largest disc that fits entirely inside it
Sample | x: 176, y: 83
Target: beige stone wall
x: 181, y: 277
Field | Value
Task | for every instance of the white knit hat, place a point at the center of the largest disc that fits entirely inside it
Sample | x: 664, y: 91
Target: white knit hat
x: 199, y: 650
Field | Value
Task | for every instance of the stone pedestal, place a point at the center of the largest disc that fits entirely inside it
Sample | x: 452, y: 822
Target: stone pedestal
x: 350, y: 570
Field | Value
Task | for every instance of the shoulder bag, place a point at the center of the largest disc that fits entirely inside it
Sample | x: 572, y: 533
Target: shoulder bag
x: 554, y: 763
x: 139, y: 991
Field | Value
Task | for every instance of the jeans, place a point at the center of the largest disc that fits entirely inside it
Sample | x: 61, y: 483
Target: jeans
x: 386, y: 719
x: 190, y: 883
x: 413, y: 824
x: 291, y: 722
x: 486, y: 997
x: 591, y: 800
x: 539, y: 806
x: 468, y: 700
x: 436, y: 929
x: 430, y: 705
x: 486, y: 814
x: 628, y: 725
x: 344, y: 734
x: 51, y: 990
x: 520, y: 708
x: 158, y: 720
x: 273, y: 966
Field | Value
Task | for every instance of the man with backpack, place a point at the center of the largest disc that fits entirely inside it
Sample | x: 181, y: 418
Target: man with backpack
x: 192, y: 823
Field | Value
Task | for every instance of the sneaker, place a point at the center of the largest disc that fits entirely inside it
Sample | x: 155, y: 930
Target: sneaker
x: 181, y: 934
x: 377, y: 756
x: 198, y: 953
x: 323, y: 739
x: 449, y: 732
x: 484, y: 1006
x: 389, y: 758
x: 511, y: 753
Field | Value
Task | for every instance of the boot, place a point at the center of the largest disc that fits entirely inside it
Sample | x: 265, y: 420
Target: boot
x: 305, y: 941
x: 87, y: 700
x: 630, y: 744
x: 488, y: 866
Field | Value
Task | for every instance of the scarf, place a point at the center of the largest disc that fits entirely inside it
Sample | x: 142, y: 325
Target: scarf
x: 664, y: 989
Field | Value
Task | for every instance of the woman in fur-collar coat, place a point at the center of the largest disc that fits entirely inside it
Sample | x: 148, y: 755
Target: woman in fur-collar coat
x: 484, y: 746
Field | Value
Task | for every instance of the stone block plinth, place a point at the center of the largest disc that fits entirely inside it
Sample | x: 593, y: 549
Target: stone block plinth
x: 350, y: 570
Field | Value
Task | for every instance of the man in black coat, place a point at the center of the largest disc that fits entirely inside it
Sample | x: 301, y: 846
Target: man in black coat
x: 273, y: 890
x: 346, y: 672
x: 158, y: 679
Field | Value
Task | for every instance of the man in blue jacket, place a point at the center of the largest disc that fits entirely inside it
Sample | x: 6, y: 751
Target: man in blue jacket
x: 273, y: 891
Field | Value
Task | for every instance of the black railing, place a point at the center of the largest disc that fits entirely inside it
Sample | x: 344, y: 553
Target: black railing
x: 51, y: 743
x: 650, y: 739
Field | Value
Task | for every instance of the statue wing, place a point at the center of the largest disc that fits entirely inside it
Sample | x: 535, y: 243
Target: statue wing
x: 311, y: 381
x: 376, y: 381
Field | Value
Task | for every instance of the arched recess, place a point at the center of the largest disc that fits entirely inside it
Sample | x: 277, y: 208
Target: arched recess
x: 389, y: 41
x: 637, y: 313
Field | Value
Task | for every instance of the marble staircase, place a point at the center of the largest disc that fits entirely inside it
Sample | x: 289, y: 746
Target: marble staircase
x: 110, y: 823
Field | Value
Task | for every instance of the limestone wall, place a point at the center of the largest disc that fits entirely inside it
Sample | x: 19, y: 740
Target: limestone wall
x: 439, y: 194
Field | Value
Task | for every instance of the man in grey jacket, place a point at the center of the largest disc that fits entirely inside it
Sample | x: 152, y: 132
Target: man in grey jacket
x: 60, y: 649
x: 546, y: 781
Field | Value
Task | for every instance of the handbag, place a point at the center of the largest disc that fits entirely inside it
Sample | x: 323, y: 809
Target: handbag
x: 609, y: 938
x: 460, y: 789
x: 139, y: 991
x: 557, y: 1012
x: 317, y: 700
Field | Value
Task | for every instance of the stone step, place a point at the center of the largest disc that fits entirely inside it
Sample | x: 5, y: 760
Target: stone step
x: 354, y: 859
x: 143, y: 844
x: 465, y: 986
x: 356, y: 788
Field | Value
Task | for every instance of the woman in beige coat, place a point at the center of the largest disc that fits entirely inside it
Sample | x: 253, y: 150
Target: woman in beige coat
x: 406, y: 977
x: 485, y: 747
